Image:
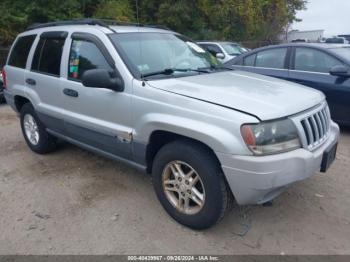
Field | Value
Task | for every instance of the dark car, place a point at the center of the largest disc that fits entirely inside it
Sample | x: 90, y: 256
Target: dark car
x: 325, y: 67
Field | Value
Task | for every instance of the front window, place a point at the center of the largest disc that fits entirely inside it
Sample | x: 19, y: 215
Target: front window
x: 84, y: 56
x: 273, y: 58
x: 174, y: 55
x: 232, y: 49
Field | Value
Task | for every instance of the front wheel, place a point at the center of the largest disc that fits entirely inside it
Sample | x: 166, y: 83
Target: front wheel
x: 189, y: 184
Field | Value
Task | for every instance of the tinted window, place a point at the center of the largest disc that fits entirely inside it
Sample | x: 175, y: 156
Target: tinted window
x: 21, y: 50
x: 213, y: 49
x: 273, y: 58
x: 47, y: 57
x: 307, y: 59
x: 85, y: 56
x: 249, y: 60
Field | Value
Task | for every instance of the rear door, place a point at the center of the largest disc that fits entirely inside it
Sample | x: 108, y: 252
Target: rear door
x: 311, y: 67
x: 271, y: 62
x: 43, y: 79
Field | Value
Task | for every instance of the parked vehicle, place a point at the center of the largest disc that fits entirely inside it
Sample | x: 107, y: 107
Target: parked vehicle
x: 2, y: 98
x: 320, y: 66
x: 336, y: 40
x: 300, y: 40
x: 154, y: 99
x: 223, y: 51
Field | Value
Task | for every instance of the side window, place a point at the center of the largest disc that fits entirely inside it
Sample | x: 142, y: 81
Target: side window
x: 47, y: 56
x: 85, y: 55
x: 312, y: 60
x: 20, y: 51
x: 249, y: 60
x: 273, y: 58
x: 213, y: 49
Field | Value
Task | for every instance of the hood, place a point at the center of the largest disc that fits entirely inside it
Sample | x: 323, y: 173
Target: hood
x: 265, y: 97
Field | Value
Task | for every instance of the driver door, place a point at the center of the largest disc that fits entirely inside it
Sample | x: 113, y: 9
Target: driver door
x: 95, y: 117
x: 311, y: 67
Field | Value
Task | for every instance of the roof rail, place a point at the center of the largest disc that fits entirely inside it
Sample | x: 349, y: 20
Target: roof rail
x: 87, y: 21
x: 91, y: 21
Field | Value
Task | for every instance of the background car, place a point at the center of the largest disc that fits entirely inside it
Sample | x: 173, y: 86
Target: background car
x: 336, y: 40
x: 321, y: 66
x: 223, y: 51
x: 2, y: 98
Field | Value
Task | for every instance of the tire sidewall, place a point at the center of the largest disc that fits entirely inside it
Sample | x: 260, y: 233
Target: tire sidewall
x: 210, y: 175
x: 44, y: 140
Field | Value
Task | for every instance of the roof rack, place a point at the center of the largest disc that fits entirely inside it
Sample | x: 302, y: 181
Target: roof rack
x: 91, y: 21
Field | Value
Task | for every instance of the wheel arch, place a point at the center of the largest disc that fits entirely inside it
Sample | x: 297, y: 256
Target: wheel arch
x: 160, y: 138
x: 20, y: 101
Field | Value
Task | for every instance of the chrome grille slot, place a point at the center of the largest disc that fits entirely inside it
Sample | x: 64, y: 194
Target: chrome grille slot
x: 316, y: 127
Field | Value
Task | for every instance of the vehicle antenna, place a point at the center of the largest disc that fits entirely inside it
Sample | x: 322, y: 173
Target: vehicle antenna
x: 138, y: 23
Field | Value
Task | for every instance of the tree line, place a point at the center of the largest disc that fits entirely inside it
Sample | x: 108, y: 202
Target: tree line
x: 236, y: 20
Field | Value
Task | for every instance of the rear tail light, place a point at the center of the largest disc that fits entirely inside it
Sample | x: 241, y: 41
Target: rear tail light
x: 4, y: 77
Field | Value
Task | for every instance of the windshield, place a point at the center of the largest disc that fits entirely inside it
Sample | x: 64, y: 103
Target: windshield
x: 232, y: 49
x: 343, y: 52
x: 162, y: 54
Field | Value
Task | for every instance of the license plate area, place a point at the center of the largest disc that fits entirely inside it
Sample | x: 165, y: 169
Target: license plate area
x: 328, y: 157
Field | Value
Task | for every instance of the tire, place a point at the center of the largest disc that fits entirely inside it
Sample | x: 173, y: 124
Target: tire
x: 2, y: 99
x: 210, y: 184
x: 45, y: 142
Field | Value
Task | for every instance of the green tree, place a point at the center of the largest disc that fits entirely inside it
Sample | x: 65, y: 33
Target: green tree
x: 239, y: 20
x: 120, y: 10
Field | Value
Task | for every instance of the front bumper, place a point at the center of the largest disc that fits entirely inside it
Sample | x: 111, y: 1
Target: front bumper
x: 256, y: 180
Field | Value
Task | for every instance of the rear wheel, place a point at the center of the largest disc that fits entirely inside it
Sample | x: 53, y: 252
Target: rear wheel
x: 189, y: 184
x: 2, y: 99
x: 34, y: 131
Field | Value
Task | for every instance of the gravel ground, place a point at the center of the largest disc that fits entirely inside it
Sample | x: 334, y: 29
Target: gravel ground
x: 74, y: 202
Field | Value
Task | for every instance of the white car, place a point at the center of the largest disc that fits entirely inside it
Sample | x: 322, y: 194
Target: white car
x: 223, y: 51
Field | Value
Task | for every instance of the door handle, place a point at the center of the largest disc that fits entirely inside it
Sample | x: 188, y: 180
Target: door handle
x: 30, y: 81
x: 70, y: 92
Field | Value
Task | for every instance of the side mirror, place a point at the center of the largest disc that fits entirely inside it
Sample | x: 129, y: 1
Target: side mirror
x: 341, y: 71
x: 103, y: 78
x: 220, y: 56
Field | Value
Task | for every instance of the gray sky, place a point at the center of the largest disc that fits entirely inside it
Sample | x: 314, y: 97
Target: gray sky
x: 331, y: 15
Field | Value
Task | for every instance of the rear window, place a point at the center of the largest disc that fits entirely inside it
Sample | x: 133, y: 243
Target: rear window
x: 20, y: 51
x: 47, y: 57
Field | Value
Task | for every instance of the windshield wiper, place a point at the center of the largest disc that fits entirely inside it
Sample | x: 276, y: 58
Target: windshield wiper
x: 170, y: 71
x: 220, y: 67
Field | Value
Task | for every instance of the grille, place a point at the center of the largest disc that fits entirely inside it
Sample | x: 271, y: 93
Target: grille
x: 316, y: 127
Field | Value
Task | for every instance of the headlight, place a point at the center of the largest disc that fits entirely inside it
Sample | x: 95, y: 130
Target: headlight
x: 271, y: 137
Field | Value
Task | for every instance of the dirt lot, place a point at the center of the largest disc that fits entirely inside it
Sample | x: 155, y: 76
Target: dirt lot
x: 74, y: 202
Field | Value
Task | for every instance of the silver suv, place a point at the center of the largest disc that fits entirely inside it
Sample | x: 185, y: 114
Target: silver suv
x: 154, y: 99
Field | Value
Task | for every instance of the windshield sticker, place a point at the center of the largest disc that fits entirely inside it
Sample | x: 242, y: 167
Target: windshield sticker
x: 143, y: 67
x: 195, y: 47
